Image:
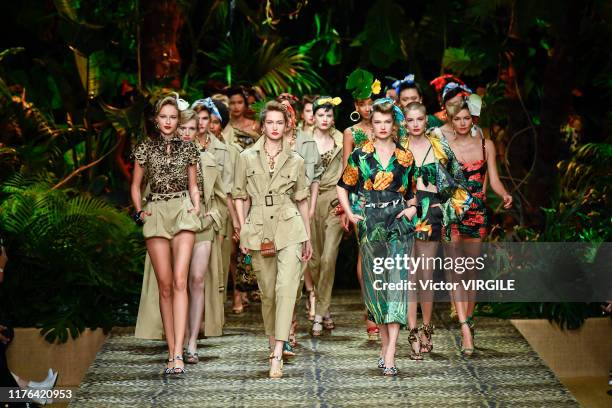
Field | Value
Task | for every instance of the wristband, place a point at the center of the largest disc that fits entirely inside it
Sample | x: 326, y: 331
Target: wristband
x: 137, y: 219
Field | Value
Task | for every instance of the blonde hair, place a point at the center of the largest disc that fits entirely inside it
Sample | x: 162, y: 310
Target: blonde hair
x: 274, y: 106
x: 418, y: 106
x: 166, y: 100
x: 187, y: 115
x: 453, y: 109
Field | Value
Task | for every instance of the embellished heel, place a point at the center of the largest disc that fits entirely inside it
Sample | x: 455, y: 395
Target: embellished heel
x: 425, y: 331
x: 276, y: 372
x: 467, y: 351
x: 413, y: 338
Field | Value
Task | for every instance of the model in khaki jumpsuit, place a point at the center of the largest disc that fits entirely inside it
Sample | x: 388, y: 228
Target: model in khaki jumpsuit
x: 270, y: 199
x: 327, y: 233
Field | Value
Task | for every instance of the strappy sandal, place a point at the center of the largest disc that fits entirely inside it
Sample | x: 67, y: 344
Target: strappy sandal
x: 373, y: 333
x: 317, y: 328
x: 328, y: 323
x: 426, y: 330
x: 471, y: 324
x: 287, y: 350
x: 467, y: 351
x: 381, y: 362
x: 169, y: 370
x: 310, y: 304
x: 413, y: 338
x: 191, y: 358
x: 389, y: 371
x: 276, y: 372
x: 178, y: 370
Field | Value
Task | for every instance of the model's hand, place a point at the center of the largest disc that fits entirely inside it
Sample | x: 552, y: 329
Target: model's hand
x: 236, y: 234
x: 145, y: 214
x: 306, y: 251
x: 507, y: 201
x: 344, y: 222
x: 354, y: 218
x: 194, y: 210
x: 409, y: 213
x: 244, y: 249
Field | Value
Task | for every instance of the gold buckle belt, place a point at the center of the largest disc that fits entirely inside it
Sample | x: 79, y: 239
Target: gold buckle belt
x: 270, y: 200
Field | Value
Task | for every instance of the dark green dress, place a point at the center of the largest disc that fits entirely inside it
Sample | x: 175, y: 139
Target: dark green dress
x: 381, y: 235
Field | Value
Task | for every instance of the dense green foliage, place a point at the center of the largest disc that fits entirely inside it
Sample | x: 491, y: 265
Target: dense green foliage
x: 76, y: 82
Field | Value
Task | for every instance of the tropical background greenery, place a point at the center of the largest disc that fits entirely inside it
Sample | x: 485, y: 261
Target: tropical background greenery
x: 77, y: 78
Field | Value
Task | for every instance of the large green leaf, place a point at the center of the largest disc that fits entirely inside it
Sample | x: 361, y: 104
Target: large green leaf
x: 90, y: 71
x: 460, y: 62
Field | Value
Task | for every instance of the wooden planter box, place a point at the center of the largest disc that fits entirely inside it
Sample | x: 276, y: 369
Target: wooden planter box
x: 586, y: 352
x: 30, y: 355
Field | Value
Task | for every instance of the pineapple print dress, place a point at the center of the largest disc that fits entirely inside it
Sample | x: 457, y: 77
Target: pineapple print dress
x: 381, y: 235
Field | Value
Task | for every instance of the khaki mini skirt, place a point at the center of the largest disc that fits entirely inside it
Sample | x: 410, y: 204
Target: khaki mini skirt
x: 169, y: 216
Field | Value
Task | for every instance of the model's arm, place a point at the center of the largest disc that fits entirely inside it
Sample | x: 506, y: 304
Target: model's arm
x: 137, y: 177
x: 347, y: 145
x: 496, y: 183
x: 307, y: 245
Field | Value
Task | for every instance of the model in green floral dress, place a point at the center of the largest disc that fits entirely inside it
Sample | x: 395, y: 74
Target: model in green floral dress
x: 382, y: 192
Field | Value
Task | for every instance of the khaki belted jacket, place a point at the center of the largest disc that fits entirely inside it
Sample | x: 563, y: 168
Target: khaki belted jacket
x: 273, y: 214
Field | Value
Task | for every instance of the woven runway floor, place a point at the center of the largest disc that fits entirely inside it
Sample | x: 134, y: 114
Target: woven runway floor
x: 338, y: 369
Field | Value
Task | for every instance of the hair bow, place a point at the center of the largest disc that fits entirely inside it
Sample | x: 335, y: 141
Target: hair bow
x: 399, y: 115
x: 208, y: 104
x: 334, y: 101
x: 453, y: 85
x: 408, y: 79
x: 474, y: 103
x: 180, y: 103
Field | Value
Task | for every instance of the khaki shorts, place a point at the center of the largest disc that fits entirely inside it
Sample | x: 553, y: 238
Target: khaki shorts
x: 170, y: 217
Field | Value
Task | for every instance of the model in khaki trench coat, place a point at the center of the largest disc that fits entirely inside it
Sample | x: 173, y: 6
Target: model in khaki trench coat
x: 149, y: 323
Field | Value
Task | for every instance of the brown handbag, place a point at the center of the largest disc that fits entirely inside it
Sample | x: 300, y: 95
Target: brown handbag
x: 268, y: 248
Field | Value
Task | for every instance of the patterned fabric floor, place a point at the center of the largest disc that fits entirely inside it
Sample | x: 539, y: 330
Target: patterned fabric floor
x: 338, y: 369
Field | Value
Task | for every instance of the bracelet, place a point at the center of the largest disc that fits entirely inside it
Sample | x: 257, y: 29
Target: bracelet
x: 137, y: 219
x: 338, y: 210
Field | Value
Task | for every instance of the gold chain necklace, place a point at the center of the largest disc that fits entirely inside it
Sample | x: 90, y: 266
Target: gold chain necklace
x: 272, y: 157
x: 205, y: 144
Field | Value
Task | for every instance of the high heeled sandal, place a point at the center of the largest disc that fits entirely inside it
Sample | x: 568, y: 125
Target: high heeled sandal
x: 288, y: 350
x: 471, y: 324
x: 328, y: 323
x: 381, y: 362
x: 467, y: 351
x: 276, y: 372
x: 390, y: 371
x: 317, y: 328
x: 179, y: 370
x: 310, y: 304
x: 191, y: 358
x: 426, y: 330
x: 413, y: 338
x: 171, y: 369
x: 373, y: 333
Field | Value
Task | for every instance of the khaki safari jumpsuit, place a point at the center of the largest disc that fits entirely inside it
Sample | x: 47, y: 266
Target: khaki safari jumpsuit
x: 273, y: 215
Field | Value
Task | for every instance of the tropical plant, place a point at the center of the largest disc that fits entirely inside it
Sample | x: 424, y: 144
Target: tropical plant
x: 244, y: 59
x: 75, y: 260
